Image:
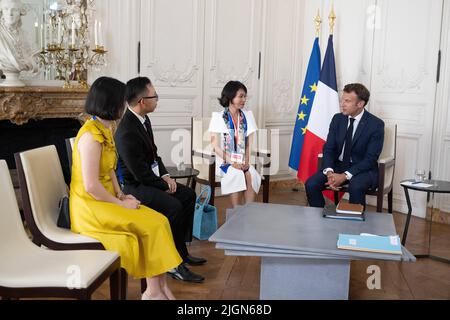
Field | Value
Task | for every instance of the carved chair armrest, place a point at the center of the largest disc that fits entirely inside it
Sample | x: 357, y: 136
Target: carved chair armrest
x: 387, y: 162
x: 205, y: 154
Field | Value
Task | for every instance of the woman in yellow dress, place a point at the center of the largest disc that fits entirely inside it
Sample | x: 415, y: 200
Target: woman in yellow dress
x: 100, y: 210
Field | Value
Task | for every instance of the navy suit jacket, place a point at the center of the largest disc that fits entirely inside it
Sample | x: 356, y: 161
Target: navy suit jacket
x: 366, y: 148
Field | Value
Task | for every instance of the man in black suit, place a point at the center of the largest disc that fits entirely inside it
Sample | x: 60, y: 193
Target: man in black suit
x: 350, y: 155
x: 145, y: 176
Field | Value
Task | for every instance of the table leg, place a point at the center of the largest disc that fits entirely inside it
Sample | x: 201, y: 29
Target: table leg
x: 405, y: 232
x: 304, y: 279
x: 429, y: 255
x: 408, y: 218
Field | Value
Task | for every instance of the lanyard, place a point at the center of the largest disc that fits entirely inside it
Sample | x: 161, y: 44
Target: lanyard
x: 236, y: 129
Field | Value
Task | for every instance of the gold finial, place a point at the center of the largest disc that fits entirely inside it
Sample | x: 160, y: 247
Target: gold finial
x: 318, y: 21
x: 332, y: 18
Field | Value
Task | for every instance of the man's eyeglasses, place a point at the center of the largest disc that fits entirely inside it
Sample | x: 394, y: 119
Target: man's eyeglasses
x: 152, y: 97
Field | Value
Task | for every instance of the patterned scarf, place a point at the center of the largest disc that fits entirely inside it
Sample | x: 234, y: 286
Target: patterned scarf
x: 234, y: 141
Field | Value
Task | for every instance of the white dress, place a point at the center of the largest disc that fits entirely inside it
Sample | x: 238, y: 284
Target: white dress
x: 233, y: 180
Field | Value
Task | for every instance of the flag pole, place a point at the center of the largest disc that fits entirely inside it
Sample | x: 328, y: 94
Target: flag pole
x: 332, y: 18
x: 318, y: 21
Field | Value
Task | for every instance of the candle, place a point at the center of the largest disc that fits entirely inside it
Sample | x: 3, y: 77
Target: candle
x: 36, y: 30
x: 42, y: 37
x: 96, y: 33
x: 50, y: 30
x: 73, y: 32
x: 59, y: 31
x: 100, y: 35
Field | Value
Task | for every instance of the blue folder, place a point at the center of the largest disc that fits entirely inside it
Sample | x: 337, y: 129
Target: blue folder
x: 370, y: 243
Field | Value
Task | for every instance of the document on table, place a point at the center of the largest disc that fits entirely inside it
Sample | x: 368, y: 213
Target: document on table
x: 370, y: 243
x: 417, y: 184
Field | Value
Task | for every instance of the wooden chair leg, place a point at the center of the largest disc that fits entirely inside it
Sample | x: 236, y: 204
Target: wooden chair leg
x: 84, y: 296
x: 123, y: 284
x: 266, y: 187
x: 114, y: 285
x: 213, y: 191
x: 380, y: 202
x: 390, y: 201
x: 143, y: 285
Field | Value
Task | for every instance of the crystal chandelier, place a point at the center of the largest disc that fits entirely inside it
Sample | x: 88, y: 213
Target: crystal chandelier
x: 65, y: 41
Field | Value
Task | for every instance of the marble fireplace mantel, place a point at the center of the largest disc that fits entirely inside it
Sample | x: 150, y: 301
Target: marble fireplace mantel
x: 20, y: 105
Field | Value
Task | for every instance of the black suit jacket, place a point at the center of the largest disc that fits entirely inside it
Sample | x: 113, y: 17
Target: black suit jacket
x: 367, y: 143
x: 136, y: 155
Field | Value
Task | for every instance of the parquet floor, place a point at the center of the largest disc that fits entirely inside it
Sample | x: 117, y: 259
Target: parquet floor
x: 238, y: 277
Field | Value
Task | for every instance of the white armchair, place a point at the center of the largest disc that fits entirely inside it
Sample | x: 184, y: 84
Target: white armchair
x: 203, y: 158
x: 28, y: 271
x: 42, y: 186
x: 386, y: 170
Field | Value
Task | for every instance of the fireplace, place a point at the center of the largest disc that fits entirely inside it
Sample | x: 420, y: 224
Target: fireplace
x: 33, y: 117
x: 35, y: 134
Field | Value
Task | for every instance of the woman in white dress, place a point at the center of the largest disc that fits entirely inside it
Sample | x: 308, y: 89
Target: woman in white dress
x: 231, y: 137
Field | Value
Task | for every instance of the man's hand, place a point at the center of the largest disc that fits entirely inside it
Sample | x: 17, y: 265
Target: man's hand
x: 336, y: 180
x: 171, y: 183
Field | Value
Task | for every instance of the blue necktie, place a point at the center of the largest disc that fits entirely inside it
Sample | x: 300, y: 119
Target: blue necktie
x: 348, y: 143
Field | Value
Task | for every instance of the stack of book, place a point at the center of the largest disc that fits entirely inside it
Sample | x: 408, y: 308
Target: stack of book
x: 347, y: 211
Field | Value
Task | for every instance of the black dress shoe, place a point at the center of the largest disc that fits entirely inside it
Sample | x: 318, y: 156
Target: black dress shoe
x: 183, y: 273
x: 194, y: 261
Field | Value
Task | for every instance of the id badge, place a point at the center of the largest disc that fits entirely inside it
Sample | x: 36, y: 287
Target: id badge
x: 155, y: 168
x: 237, y: 158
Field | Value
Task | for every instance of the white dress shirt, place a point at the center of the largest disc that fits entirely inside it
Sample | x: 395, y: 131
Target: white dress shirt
x: 341, y: 157
x: 142, y: 120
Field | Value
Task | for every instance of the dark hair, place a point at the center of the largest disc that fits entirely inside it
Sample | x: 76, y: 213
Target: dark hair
x: 106, y: 99
x: 360, y: 90
x: 136, y: 89
x: 230, y: 91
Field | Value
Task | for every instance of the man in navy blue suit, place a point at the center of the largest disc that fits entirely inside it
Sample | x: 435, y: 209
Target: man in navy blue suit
x: 350, y: 155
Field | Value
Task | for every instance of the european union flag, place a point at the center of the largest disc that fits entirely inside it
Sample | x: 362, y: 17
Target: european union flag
x: 306, y: 102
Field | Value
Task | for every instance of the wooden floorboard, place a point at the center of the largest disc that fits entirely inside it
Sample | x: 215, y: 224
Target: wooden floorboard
x: 235, y: 278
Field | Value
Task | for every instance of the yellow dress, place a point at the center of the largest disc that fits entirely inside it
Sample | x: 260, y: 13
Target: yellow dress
x: 142, y: 237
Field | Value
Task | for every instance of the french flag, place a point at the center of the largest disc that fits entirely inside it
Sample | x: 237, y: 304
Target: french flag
x: 325, y: 106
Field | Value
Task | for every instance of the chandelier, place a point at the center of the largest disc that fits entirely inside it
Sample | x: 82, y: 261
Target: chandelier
x: 66, y: 41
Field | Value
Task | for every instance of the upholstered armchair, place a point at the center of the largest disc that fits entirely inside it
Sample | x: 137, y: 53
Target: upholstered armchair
x: 42, y: 186
x: 203, y: 157
x: 386, y: 170
x: 29, y: 271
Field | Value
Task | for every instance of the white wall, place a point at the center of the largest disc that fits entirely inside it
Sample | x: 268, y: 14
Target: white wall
x: 190, y: 48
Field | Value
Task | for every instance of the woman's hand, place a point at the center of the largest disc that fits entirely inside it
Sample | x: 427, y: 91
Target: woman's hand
x: 237, y: 166
x: 131, y: 197
x: 130, y: 203
x: 245, y: 167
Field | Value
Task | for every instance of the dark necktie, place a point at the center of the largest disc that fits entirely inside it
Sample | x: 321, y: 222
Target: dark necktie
x: 348, y: 143
x: 148, y: 127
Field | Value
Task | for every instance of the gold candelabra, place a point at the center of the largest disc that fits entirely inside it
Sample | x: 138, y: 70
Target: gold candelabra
x: 66, y: 45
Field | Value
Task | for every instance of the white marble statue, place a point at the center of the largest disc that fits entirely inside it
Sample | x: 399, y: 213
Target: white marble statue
x: 16, y: 54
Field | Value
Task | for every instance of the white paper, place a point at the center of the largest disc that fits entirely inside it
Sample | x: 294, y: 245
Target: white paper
x: 394, y: 240
x: 419, y: 185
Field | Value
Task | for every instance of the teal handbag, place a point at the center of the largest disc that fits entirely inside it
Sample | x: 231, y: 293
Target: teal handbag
x: 205, y: 216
